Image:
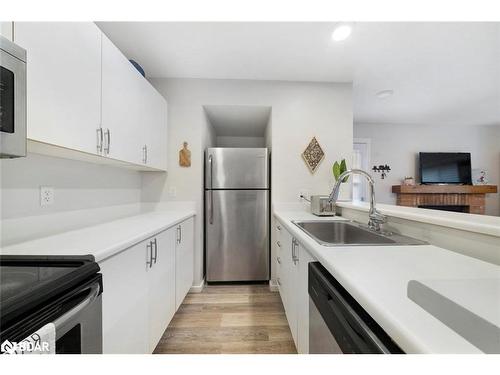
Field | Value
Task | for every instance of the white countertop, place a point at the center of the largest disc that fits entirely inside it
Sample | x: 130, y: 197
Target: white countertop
x: 483, y: 224
x: 377, y: 277
x: 102, y: 240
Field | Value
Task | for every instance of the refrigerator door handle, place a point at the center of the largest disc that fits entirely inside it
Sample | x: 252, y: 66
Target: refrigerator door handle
x: 211, y: 207
x: 211, y: 203
x: 210, y: 162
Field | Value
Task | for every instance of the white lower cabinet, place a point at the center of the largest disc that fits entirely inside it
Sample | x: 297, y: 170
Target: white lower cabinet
x: 303, y: 300
x: 292, y: 271
x: 125, y: 302
x: 287, y: 286
x: 161, y: 276
x: 141, y: 287
x: 184, y: 259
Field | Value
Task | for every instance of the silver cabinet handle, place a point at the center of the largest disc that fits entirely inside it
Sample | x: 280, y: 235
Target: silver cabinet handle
x: 107, y: 143
x: 99, y: 140
x: 109, y: 140
x: 295, y: 258
x: 156, y: 251
x: 278, y: 243
x: 149, y: 247
x: 179, y: 234
x: 145, y: 154
x: 278, y: 259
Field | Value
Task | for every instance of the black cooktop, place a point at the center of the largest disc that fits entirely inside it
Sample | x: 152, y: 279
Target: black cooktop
x: 30, y: 281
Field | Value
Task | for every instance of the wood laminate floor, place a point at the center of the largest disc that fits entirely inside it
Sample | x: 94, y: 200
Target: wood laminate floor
x: 229, y: 319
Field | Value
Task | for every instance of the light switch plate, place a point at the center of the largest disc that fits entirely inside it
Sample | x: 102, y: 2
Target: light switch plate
x: 46, y: 195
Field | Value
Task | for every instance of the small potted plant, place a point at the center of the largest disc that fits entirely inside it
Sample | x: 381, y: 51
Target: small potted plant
x: 338, y: 169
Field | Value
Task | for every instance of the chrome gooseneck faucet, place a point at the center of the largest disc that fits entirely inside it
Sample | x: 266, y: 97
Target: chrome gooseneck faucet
x: 376, y: 218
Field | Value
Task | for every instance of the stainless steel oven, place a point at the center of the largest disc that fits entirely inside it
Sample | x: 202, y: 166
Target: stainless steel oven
x: 12, y: 100
x: 63, y: 292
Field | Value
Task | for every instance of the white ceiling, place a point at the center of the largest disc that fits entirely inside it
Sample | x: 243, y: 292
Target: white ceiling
x: 446, y: 73
x: 238, y: 120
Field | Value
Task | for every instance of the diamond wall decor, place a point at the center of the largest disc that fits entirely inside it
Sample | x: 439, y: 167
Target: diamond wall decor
x: 313, y: 155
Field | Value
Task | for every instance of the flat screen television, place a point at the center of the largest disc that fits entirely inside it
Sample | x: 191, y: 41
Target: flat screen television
x: 445, y: 168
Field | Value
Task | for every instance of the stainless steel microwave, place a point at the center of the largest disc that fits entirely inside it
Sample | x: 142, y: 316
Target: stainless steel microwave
x: 12, y: 100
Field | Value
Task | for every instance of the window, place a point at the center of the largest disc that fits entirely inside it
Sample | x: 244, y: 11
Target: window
x: 360, y: 160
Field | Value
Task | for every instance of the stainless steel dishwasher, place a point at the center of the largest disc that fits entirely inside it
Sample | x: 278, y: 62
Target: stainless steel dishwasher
x: 337, y: 323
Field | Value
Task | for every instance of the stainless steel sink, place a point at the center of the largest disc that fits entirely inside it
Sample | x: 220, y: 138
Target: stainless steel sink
x: 342, y: 233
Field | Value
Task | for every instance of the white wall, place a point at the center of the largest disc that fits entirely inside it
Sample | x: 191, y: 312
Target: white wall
x: 77, y: 186
x: 228, y: 141
x: 6, y: 29
x: 300, y: 110
x: 398, y: 146
x: 268, y: 137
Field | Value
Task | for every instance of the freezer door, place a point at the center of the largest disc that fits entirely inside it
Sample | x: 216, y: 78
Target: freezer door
x: 237, y: 241
x: 236, y: 168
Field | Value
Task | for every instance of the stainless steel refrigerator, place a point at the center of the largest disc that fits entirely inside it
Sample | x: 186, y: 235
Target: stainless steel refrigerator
x: 237, y: 214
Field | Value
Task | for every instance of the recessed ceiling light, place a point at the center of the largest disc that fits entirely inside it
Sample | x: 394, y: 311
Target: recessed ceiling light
x: 341, y: 32
x: 384, y: 94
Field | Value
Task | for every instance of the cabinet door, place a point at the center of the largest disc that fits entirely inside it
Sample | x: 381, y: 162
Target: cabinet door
x: 156, y: 131
x: 285, y: 268
x: 184, y: 259
x: 292, y: 296
x: 287, y: 279
x: 64, y: 82
x: 303, y: 300
x: 278, y: 252
x: 161, y: 285
x: 124, y: 302
x: 123, y: 105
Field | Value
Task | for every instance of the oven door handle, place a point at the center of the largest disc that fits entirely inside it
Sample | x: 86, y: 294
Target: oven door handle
x: 93, y: 294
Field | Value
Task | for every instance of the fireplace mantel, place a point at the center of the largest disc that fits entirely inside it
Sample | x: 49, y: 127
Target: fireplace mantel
x: 472, y: 197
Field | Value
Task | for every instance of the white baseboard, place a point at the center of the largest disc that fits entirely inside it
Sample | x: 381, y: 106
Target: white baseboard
x: 273, y: 286
x: 197, y: 288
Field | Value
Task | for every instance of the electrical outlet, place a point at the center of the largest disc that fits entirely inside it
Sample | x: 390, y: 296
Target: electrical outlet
x: 46, y: 195
x: 172, y: 191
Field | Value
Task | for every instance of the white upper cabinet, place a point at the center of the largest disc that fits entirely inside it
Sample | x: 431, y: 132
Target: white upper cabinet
x: 134, y: 114
x: 64, y: 82
x: 124, y: 106
x: 85, y: 96
x: 156, y: 133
